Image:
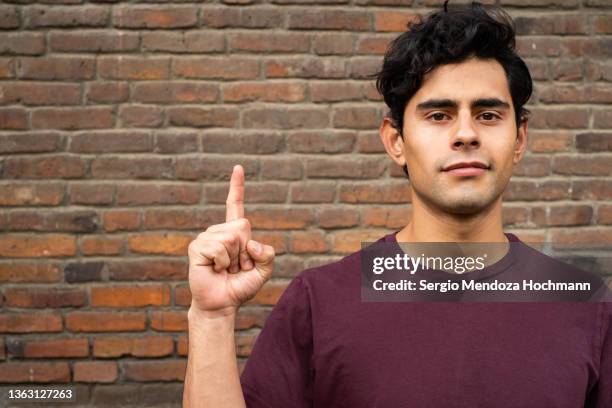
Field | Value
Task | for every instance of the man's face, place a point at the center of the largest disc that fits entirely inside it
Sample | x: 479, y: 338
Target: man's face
x: 462, y: 113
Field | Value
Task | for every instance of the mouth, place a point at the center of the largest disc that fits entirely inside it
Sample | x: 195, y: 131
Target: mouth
x: 473, y: 168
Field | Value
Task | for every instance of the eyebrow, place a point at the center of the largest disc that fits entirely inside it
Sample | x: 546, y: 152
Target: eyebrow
x: 449, y: 103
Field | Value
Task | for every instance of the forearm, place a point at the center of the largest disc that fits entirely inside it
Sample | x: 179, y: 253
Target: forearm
x: 212, y: 378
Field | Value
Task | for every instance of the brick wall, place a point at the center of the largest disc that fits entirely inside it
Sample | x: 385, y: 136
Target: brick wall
x: 119, y: 125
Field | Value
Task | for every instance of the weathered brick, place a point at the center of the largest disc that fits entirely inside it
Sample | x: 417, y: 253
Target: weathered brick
x: 256, y: 192
x: 313, y: 192
x: 95, y: 371
x: 121, y: 220
x: 65, y: 17
x: 38, y: 372
x: 155, y: 17
x: 148, y: 270
x: 118, y: 346
x: 354, y: 167
x: 174, y: 92
x: 266, y: 92
x: 36, y: 93
x: 336, y: 217
x: 146, y: 116
x: 105, y: 321
x: 577, y: 165
x: 13, y: 118
x: 203, y: 117
x: 385, y: 217
x: 398, y: 192
x: 134, y: 68
x: 556, y: 216
x: 549, y: 141
x: 56, y: 348
x: 582, y: 238
x: 307, y: 141
x: 213, y: 168
x: 282, y: 169
x: 73, y: 119
x: 91, y: 194
x: 604, y: 214
x: 196, y: 42
x: 22, y: 43
x: 269, y: 42
x: 101, y: 245
x: 9, y: 17
x: 176, y: 142
x: 162, y: 243
x: 307, y: 242
x: 269, y: 293
x: 594, y: 189
x: 176, y: 219
x: 282, y: 117
x: 351, y: 240
x: 29, y: 142
x: 97, y: 41
x: 534, y: 166
x: 169, y: 321
x: 333, y: 44
x: 149, y: 194
x: 304, y: 67
x: 161, y: 370
x: 107, y: 92
x: 130, y: 296
x: 56, y: 166
x: 357, y: 117
x: 76, y: 272
x: 394, y: 20
x: 329, y: 19
x: 44, y: 297
x: 245, y: 142
x: 290, y: 218
x: 29, y: 272
x: 531, y: 190
x: 132, y: 168
x: 30, y: 322
x: 35, y: 246
x: 56, y: 68
x: 250, y: 17
x: 215, y: 67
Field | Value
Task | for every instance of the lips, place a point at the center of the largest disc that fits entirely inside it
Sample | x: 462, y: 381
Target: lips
x: 472, y: 164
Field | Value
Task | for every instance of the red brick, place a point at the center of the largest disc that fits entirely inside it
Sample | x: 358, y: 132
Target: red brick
x: 29, y: 272
x: 155, y: 17
x: 352, y: 168
x: 93, y: 41
x: 29, y: 142
x: 594, y: 189
x: 543, y: 190
x: 594, y: 142
x: 329, y: 19
x: 182, y: 296
x: 282, y: 169
x: 335, y: 217
x: 111, y: 141
x: 172, y: 92
x: 22, y: 43
x: 374, y: 45
x: 13, y: 118
x: 101, y: 245
x: 282, y: 117
x: 269, y: 293
x: 305, y: 67
x: 307, y: 242
x: 76, y: 272
x: 249, y: 317
x: 56, y: 348
x: 581, y: 166
x: 357, y: 117
x: 150, y: 194
x: 333, y: 44
x: 56, y: 166
x: 394, y: 20
x: 52, y: 221
x: 64, y: 16
x: 602, y: 24
x: 370, y: 142
x: 130, y: 296
x: 141, y: 116
x: 245, y: 343
x: 107, y: 92
x: 351, y: 240
x: 269, y: 42
x: 363, y: 67
x: 176, y: 219
x: 148, y: 270
x: 34, y: 372
x: 336, y: 91
x: 121, y: 220
x: 30, y: 322
x: 213, y: 168
x: 251, y: 17
x: 290, y: 218
x: 313, y: 192
x: 95, y: 371
x: 266, y: 92
x: 582, y: 238
x: 176, y: 142
x: 44, y: 297
x: 73, y: 119
x: 183, y: 42
x: 91, y: 194
x: 255, y: 192
x: 386, y: 217
x: 34, y: 246
x: 160, y: 370
x: 604, y: 214
x: 307, y: 141
x: 367, y: 193
x: 28, y: 193
x: 163, y: 243
x: 135, y: 68
x: 7, y: 68
x: 182, y: 346
x: 169, y: 321
x: 56, y: 68
x: 515, y: 216
x: 564, y: 215
x: 108, y: 167
x: 9, y: 17
x: 203, y: 117
x: 243, y: 142
x: 105, y: 321
x: 549, y: 141
x: 216, y: 68
x: 148, y: 346
x: 2, y: 350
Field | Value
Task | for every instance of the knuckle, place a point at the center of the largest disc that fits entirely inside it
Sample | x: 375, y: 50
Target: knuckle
x: 244, y: 223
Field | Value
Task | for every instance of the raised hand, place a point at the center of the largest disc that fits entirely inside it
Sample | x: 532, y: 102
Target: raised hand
x: 227, y: 267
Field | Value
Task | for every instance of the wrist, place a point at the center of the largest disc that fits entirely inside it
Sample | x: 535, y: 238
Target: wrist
x: 228, y: 314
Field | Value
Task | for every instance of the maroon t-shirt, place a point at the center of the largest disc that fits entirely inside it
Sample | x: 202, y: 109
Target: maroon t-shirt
x: 323, y: 347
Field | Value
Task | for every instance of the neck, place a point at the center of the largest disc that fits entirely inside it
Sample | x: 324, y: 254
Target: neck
x: 430, y: 224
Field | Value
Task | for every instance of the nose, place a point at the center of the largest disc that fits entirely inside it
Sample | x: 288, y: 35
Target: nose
x: 465, y: 135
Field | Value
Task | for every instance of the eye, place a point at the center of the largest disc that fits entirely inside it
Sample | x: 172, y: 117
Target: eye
x: 437, y: 116
x: 490, y: 116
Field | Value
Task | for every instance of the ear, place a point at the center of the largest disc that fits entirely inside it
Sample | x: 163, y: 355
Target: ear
x: 521, y: 142
x: 392, y: 140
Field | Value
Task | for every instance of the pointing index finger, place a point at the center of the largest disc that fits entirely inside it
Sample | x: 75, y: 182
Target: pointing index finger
x: 234, y: 206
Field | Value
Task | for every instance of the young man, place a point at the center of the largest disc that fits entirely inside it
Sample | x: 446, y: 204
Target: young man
x: 456, y: 91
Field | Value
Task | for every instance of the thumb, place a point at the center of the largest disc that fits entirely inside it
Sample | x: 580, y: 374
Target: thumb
x: 263, y: 256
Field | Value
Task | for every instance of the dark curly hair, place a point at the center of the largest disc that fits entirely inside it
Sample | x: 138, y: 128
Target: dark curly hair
x: 447, y: 36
